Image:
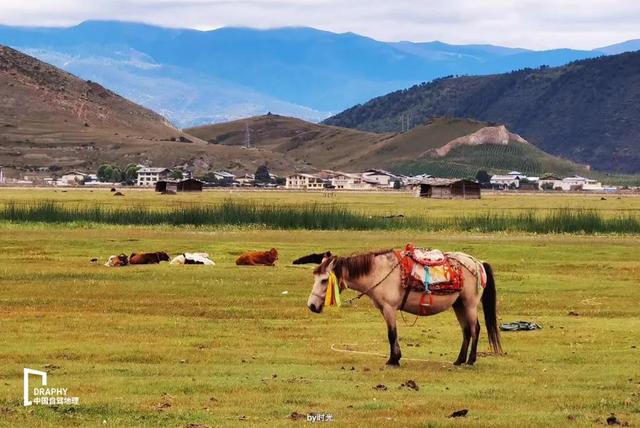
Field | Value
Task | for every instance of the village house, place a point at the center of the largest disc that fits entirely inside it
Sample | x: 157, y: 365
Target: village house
x: 73, y: 178
x: 576, y: 183
x: 550, y: 182
x: 508, y: 181
x: 348, y: 181
x: 380, y: 177
x: 246, y: 180
x: 166, y: 186
x: 416, y: 179
x: 224, y: 177
x: 148, y: 177
x: 444, y: 188
x: 186, y: 185
x: 304, y: 181
x: 327, y: 174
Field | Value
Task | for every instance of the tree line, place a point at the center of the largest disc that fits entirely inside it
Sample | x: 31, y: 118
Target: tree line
x: 129, y: 175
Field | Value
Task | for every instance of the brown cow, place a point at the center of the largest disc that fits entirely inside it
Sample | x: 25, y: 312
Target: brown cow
x: 148, y: 258
x: 117, y: 261
x: 255, y: 258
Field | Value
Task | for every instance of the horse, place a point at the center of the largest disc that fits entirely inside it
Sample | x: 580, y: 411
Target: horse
x: 254, y: 258
x: 379, y: 275
x: 148, y: 258
x: 315, y: 258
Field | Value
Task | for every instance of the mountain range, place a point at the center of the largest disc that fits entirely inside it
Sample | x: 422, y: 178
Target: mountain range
x: 586, y: 111
x: 196, y: 77
x: 52, y: 120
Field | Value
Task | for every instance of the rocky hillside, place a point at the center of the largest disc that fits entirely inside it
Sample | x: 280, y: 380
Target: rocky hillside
x: 586, y: 111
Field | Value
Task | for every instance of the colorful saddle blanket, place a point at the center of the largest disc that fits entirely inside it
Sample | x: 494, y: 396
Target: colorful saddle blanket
x: 433, y: 271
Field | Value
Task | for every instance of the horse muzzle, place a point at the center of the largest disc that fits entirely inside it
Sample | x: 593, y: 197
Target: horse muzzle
x: 315, y: 309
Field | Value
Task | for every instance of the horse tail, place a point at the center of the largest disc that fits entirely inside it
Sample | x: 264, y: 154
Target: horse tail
x: 489, y: 307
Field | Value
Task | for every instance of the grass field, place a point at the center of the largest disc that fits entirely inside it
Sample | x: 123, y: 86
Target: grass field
x: 222, y: 346
x: 385, y: 203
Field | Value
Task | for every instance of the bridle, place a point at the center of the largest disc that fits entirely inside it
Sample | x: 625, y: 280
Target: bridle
x: 313, y: 293
x: 349, y: 301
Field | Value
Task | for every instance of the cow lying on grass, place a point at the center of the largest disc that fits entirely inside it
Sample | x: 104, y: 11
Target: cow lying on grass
x: 148, y: 258
x: 192, y: 259
x: 315, y: 258
x: 255, y: 258
x: 117, y: 261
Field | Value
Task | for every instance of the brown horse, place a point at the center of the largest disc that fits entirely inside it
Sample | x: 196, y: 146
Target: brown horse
x: 378, y: 275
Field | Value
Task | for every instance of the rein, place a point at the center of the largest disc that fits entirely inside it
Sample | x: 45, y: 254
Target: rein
x: 349, y: 301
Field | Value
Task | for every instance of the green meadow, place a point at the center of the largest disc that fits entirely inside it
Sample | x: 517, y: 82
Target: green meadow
x: 179, y: 346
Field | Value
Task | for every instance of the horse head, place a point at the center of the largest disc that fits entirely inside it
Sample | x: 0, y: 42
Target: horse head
x: 321, y: 274
x: 163, y: 257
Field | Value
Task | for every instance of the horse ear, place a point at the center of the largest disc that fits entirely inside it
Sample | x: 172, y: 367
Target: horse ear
x: 332, y: 263
x: 325, y: 257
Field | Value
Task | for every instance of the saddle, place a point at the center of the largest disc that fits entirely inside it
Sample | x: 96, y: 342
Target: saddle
x: 430, y: 271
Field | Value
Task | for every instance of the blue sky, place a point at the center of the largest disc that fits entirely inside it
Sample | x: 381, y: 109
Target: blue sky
x: 580, y: 24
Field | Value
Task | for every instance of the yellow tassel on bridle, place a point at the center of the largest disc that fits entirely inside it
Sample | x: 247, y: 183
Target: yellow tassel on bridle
x: 333, y: 291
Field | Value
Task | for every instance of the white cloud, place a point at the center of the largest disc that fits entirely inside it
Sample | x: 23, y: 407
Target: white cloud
x: 523, y: 23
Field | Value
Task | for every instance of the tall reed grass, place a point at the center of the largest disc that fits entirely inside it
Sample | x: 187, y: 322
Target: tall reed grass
x: 317, y: 217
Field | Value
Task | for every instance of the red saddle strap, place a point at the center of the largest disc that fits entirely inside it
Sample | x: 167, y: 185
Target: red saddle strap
x: 422, y: 310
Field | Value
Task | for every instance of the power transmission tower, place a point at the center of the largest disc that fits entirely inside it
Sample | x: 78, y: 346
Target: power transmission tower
x: 405, y: 123
x: 247, y: 137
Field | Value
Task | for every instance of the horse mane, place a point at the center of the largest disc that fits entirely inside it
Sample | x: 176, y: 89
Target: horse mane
x: 352, y: 267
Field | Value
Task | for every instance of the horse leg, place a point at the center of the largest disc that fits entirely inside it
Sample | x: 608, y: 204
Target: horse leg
x: 389, y: 314
x: 458, y: 307
x: 475, y: 335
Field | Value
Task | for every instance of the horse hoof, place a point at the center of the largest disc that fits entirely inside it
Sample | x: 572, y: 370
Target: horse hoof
x: 470, y: 363
x: 393, y: 364
x: 458, y: 363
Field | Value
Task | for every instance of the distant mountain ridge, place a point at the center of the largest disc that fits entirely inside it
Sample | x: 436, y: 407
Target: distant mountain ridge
x: 196, y: 77
x: 586, y: 111
x: 50, y: 119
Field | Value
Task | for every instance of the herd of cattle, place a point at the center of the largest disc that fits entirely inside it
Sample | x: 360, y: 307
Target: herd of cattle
x: 252, y: 258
